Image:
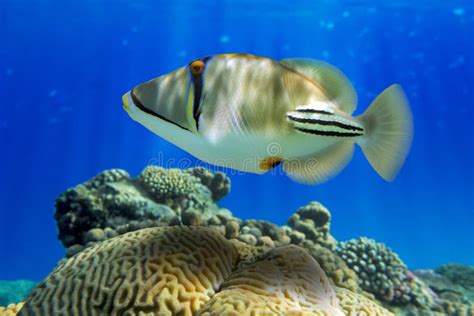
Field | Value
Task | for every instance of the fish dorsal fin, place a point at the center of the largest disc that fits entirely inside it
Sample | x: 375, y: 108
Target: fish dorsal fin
x: 335, y: 84
x: 322, y: 166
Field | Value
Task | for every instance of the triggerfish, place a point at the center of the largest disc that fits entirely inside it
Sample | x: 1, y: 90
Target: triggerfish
x: 254, y: 113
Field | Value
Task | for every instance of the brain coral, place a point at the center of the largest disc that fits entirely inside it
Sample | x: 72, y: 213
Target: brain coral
x: 186, y: 271
x: 164, y: 271
x: 284, y: 281
x: 354, y: 304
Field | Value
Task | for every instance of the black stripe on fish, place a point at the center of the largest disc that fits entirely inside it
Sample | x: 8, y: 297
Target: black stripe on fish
x: 326, y: 123
x: 197, y: 81
x: 313, y: 111
x: 328, y: 133
x: 198, y: 84
x: 139, y: 105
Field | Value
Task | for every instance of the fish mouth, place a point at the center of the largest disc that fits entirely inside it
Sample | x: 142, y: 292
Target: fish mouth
x: 132, y: 104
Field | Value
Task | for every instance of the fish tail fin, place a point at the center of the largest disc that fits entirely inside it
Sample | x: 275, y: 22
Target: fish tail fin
x: 388, y: 135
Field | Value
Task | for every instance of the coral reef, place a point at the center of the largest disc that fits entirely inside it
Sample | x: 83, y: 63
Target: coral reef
x: 129, y: 228
x: 14, y: 291
x: 190, y: 270
x: 112, y: 203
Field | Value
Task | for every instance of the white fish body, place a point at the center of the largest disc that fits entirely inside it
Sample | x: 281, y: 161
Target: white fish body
x: 252, y: 113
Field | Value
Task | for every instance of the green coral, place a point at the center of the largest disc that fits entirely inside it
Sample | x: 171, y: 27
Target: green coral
x: 382, y: 273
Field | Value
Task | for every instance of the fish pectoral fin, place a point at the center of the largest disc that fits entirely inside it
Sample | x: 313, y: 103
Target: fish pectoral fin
x: 338, y: 88
x: 322, y: 166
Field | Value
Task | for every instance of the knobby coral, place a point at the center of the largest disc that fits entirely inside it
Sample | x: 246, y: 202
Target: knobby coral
x: 313, y: 220
x: 383, y: 273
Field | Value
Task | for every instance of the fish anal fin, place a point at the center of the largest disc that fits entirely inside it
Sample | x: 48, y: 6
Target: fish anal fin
x: 322, y: 166
x: 270, y: 162
x: 334, y: 83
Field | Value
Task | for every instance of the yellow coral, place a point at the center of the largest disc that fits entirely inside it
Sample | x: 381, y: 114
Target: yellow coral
x: 163, y: 271
x: 354, y: 304
x: 286, y: 280
x: 11, y: 310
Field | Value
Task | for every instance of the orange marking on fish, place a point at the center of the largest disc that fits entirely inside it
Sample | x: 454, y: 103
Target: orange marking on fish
x: 269, y: 163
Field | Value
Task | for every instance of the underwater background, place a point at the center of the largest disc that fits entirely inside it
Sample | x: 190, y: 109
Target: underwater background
x: 65, y: 65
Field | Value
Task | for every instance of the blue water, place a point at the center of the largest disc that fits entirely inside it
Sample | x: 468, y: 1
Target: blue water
x: 64, y: 66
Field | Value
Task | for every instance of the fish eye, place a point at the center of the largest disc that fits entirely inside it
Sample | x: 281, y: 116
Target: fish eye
x: 197, y: 67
